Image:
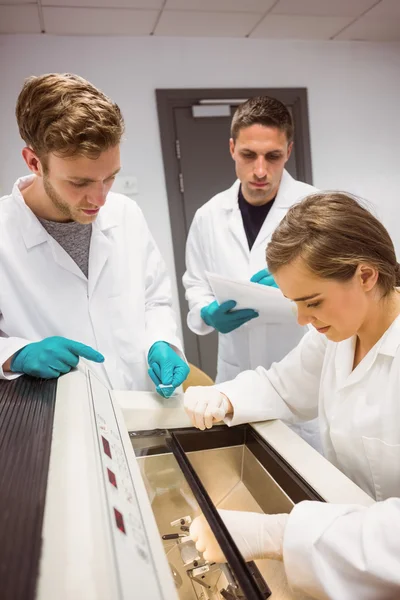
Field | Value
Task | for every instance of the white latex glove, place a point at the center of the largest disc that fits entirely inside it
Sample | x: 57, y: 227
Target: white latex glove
x: 255, y: 535
x: 205, y: 406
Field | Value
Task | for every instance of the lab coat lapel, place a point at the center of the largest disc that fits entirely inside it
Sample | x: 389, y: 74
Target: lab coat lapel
x: 100, y: 248
x: 63, y: 259
x: 344, y: 360
x: 234, y: 216
x: 35, y: 234
x: 361, y: 369
x: 235, y: 224
x: 388, y: 344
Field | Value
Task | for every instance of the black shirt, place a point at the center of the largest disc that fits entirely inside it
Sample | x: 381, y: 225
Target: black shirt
x: 253, y: 217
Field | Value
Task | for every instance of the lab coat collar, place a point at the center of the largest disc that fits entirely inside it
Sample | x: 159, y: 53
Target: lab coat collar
x: 277, y: 212
x: 387, y: 345
x: 230, y: 201
x: 107, y: 218
x: 34, y: 234
x: 33, y: 231
x: 391, y: 339
x: 283, y: 198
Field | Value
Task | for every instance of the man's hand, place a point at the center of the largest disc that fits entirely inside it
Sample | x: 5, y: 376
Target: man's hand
x: 166, y: 368
x: 264, y: 277
x: 223, y: 318
x: 52, y: 357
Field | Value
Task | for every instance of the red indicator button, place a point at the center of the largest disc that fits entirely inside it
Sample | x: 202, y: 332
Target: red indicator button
x: 106, y: 446
x: 119, y: 519
x: 111, y: 478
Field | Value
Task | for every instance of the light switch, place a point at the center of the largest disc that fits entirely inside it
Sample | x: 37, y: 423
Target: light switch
x: 125, y: 184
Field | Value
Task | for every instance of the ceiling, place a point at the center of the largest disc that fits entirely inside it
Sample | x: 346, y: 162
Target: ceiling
x: 366, y: 20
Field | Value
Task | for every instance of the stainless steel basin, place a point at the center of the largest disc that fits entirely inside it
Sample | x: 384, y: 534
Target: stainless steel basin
x: 235, y: 480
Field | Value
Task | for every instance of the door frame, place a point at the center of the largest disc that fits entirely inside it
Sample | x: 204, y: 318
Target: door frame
x: 167, y: 101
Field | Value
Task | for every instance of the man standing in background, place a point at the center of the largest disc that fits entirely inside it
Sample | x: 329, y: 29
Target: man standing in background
x: 229, y: 235
x: 80, y: 274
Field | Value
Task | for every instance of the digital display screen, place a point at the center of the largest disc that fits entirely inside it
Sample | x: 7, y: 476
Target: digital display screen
x: 111, y: 478
x: 106, y: 446
x: 119, y: 519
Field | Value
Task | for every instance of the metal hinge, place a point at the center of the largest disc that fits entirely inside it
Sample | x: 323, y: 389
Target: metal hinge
x: 182, y: 189
x: 178, y: 149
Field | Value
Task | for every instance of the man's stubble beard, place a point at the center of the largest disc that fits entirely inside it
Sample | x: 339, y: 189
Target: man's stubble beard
x: 56, y: 199
x: 261, y: 196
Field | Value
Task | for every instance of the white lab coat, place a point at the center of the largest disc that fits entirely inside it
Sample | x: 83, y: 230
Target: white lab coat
x: 344, y: 552
x: 217, y: 242
x: 120, y: 310
x: 338, y: 551
x: 358, y: 410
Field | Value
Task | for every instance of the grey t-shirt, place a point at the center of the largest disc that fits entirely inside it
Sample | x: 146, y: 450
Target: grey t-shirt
x: 74, y: 238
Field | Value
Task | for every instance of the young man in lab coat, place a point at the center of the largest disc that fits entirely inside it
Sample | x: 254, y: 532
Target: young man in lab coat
x: 81, y: 275
x: 230, y: 233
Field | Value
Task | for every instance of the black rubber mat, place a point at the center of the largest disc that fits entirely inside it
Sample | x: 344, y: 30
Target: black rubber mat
x: 26, y: 423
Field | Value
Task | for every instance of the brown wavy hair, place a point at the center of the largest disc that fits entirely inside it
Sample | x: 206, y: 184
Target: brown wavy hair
x: 66, y: 115
x: 333, y: 233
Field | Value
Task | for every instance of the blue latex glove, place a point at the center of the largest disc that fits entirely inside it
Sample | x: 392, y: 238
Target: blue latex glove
x: 166, y: 368
x: 264, y: 277
x: 52, y: 357
x: 223, y: 318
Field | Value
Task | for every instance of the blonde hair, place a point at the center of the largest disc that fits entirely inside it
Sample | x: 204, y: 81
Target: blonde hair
x: 66, y: 115
x: 333, y: 233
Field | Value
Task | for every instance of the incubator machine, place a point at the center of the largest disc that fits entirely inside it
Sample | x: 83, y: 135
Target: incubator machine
x: 99, y: 489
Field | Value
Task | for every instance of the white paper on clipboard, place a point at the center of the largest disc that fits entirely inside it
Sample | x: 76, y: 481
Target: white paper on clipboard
x: 269, y: 302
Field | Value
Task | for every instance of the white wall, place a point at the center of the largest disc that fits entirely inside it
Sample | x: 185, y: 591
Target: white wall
x: 354, y: 99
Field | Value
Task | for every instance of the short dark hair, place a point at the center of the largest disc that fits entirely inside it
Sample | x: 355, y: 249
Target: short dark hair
x: 262, y: 110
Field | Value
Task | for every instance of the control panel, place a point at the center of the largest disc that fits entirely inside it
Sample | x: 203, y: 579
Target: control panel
x: 135, y: 567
